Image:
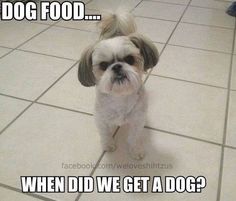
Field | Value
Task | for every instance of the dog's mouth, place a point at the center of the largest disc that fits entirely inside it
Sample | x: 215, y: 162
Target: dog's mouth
x: 120, y: 78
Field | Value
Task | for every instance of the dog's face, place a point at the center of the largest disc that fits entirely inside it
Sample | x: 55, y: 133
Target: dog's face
x: 116, y: 65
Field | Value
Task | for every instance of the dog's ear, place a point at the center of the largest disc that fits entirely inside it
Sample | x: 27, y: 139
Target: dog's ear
x: 147, y: 49
x: 85, y: 71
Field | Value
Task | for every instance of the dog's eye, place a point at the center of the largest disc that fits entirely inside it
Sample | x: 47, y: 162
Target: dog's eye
x: 129, y: 59
x: 103, y: 65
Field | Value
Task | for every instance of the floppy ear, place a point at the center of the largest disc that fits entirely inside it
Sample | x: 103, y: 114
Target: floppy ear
x: 85, y: 73
x: 147, y: 49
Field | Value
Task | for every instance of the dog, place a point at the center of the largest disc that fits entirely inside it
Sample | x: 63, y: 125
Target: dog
x: 115, y: 65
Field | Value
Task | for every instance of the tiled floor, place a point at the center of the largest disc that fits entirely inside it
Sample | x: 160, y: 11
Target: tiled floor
x: 46, y: 116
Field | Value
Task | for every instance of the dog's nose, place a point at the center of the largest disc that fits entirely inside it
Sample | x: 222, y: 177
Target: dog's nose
x: 116, y: 68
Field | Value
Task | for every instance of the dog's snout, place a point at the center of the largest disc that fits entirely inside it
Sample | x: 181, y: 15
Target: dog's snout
x: 117, y: 68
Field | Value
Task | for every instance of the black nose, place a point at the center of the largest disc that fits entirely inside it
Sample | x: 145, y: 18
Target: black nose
x: 117, y: 68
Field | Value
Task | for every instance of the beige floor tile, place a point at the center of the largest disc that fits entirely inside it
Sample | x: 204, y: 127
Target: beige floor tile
x: 186, y: 108
x: 9, y: 109
x: 4, y: 51
x: 166, y: 155
x: 111, y: 5
x: 231, y: 130
x: 233, y: 83
x: 194, y: 65
x: 184, y: 2
x: 158, y: 35
x: 210, y: 4
x: 15, y: 33
x: 210, y: 38
x: 83, y: 25
x: 159, y: 10
x: 229, y: 174
x: 27, y: 75
x: 69, y: 93
x: 9, y: 195
x: 58, y: 41
x: 44, y: 141
x: 207, y: 16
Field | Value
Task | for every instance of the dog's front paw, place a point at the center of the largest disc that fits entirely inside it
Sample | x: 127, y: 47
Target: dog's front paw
x: 137, y: 153
x: 109, y: 146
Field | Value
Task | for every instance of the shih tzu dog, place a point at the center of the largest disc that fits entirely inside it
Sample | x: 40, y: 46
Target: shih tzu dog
x: 115, y: 64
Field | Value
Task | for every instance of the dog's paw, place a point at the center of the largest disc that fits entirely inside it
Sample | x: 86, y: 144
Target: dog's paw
x: 109, y: 146
x: 137, y: 154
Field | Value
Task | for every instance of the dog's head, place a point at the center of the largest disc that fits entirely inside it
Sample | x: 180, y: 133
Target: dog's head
x: 116, y: 65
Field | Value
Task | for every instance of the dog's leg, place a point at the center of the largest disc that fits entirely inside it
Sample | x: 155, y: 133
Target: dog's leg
x: 136, y: 137
x: 106, y: 133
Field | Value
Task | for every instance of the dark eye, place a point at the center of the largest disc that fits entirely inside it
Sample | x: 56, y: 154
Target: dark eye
x: 103, y: 65
x: 129, y: 60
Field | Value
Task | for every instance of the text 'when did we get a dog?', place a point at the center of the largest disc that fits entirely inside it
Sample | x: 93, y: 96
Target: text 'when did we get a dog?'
x: 112, y: 184
x: 45, y: 10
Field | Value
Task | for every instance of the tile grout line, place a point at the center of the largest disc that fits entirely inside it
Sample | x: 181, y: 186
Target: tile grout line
x: 196, y: 48
x: 226, y: 120
x: 223, y: 1
x: 168, y: 40
x: 182, y: 135
x: 184, y: 22
x: 207, y: 25
x: 46, y: 104
x: 29, y: 51
x: 195, y: 6
x: 230, y: 147
x: 14, y: 97
x: 188, y: 81
x: 37, y: 196
x: 168, y: 3
x: 49, y: 55
x: 141, y: 1
x: 78, y: 29
x: 22, y: 112
x: 63, y: 108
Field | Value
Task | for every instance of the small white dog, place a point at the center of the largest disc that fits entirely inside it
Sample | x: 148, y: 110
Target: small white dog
x: 115, y: 64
